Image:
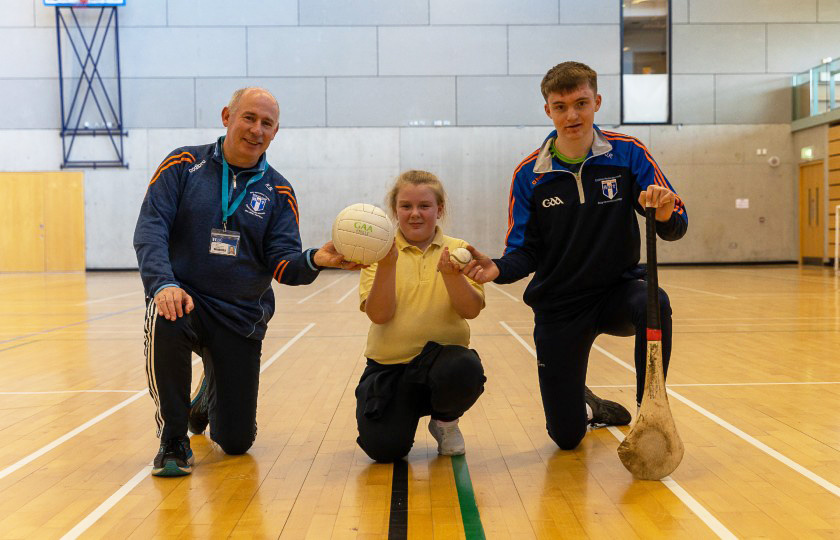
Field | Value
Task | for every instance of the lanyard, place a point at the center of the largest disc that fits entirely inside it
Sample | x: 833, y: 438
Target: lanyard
x: 228, y: 210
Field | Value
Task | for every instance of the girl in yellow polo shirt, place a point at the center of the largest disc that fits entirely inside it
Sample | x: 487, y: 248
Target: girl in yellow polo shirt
x: 418, y: 301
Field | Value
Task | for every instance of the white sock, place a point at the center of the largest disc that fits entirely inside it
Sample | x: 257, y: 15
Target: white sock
x: 442, y: 423
x: 588, y: 412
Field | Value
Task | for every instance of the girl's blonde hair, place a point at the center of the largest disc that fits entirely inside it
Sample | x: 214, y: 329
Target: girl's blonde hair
x: 416, y: 178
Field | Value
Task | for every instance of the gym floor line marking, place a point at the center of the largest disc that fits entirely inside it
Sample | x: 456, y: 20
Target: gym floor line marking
x: 109, y: 503
x: 398, y: 517
x: 504, y: 292
x: 70, y: 434
x: 67, y: 392
x: 98, y: 317
x: 473, y: 529
x: 715, y: 384
x: 348, y: 293
x: 669, y: 286
x: 322, y: 289
x: 118, y: 495
x: 819, y: 480
x: 135, y: 293
x: 699, y: 510
x: 695, y: 507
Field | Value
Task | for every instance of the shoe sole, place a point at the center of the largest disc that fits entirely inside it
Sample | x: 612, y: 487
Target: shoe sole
x: 170, y: 468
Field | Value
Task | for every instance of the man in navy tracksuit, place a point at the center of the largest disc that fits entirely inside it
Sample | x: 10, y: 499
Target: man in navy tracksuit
x: 216, y: 226
x: 572, y: 221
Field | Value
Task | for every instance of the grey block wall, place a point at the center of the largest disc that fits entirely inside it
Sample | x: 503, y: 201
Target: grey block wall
x: 370, y: 87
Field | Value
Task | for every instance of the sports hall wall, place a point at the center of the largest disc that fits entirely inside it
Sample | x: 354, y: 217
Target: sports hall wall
x: 368, y: 88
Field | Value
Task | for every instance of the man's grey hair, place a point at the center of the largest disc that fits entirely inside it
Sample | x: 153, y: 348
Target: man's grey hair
x: 237, y: 97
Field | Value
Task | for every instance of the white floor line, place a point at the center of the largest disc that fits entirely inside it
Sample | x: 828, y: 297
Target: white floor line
x: 135, y: 293
x: 109, y: 503
x: 285, y: 347
x: 716, y: 384
x: 711, y: 521
x: 302, y: 300
x: 118, y: 495
x: 348, y: 293
x: 68, y: 392
x: 718, y: 319
x: 683, y: 495
x: 669, y: 286
x: 69, y: 435
x: 819, y: 480
x: 519, y: 339
x: 504, y: 292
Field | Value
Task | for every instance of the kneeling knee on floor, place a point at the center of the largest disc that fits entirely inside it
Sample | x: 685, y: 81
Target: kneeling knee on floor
x: 386, y: 452
x: 234, y: 447
x: 566, y: 441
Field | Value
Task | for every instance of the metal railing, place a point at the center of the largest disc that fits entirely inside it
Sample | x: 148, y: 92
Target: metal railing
x: 817, y: 90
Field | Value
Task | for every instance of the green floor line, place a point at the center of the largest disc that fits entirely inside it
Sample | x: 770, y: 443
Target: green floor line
x: 466, y: 498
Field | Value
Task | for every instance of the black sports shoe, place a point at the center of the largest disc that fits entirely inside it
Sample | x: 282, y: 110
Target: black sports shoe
x: 605, y: 412
x: 197, y: 421
x: 174, y: 458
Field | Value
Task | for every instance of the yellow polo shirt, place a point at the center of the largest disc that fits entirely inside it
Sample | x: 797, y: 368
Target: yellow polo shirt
x: 424, y: 312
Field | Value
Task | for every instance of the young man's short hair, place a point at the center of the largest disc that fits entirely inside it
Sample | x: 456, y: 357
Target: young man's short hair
x: 566, y: 77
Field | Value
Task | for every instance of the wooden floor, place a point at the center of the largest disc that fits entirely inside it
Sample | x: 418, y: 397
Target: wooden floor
x: 755, y: 382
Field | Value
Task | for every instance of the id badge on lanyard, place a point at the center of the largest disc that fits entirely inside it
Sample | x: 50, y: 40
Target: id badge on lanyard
x: 225, y: 241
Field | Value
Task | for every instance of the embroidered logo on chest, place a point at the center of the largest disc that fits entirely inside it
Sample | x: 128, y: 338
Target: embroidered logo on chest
x: 256, y: 206
x: 609, y: 187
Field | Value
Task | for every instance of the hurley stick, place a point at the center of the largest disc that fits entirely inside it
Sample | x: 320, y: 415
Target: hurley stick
x: 652, y: 449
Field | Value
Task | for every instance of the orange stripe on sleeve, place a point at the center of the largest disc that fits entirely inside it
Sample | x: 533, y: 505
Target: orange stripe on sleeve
x: 512, y: 200
x: 658, y: 176
x: 282, y: 264
x: 293, y: 205
x: 280, y: 275
x: 173, y: 158
x: 171, y: 163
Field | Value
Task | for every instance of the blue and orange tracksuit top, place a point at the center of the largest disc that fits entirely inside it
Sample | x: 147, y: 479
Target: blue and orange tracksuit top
x: 579, y: 232
x: 172, y: 238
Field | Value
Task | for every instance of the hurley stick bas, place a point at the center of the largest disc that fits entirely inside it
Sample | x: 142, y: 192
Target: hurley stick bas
x: 652, y: 448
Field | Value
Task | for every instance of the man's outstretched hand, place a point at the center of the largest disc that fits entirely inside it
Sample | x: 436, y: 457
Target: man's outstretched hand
x: 328, y: 256
x: 482, y: 268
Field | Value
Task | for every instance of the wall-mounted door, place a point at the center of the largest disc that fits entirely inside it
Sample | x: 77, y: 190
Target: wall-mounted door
x: 43, y: 226
x: 811, y: 213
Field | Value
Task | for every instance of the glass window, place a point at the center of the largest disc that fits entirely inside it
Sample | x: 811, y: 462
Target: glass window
x: 645, y: 62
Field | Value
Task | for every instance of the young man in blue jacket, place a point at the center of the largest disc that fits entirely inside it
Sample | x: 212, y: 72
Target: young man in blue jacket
x: 572, y: 222
x: 218, y: 223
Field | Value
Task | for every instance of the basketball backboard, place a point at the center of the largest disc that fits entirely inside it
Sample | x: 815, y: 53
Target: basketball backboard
x: 84, y: 3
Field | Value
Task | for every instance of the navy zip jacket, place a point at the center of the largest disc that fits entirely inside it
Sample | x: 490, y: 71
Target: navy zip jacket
x: 579, y: 232
x: 172, y: 238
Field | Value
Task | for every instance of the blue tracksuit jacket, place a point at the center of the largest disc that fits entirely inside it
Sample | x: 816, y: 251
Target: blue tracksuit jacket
x: 579, y: 232
x: 172, y: 238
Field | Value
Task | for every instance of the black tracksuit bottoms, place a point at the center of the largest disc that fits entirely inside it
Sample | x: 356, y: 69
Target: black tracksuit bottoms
x: 443, y: 381
x: 563, y: 343
x: 231, y: 368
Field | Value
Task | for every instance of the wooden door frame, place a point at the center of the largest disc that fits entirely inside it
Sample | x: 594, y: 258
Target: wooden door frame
x: 821, y: 198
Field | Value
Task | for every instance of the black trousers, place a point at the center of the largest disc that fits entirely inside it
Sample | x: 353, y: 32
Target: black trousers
x: 443, y: 381
x: 563, y: 345
x: 231, y: 367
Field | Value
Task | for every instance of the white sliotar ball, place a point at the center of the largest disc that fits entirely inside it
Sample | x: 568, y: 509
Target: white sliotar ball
x: 460, y: 256
x: 363, y: 233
